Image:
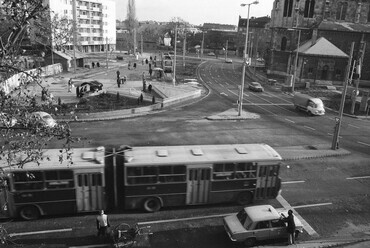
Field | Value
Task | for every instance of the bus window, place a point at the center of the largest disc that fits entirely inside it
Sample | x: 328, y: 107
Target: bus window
x: 223, y: 171
x: 59, y: 179
x: 28, y: 180
x: 168, y: 174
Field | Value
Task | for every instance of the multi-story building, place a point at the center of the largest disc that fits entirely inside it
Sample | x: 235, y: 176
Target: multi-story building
x: 95, y: 21
x: 312, y: 39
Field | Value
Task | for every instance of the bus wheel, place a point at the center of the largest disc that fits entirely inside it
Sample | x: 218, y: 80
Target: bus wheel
x: 244, y: 198
x: 29, y: 213
x: 250, y: 242
x: 152, y: 204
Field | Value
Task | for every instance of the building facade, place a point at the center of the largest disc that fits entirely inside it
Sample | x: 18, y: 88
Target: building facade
x: 95, y: 20
x: 295, y: 23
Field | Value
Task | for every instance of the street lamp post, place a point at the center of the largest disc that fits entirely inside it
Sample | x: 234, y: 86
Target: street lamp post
x: 240, y: 106
x: 174, y: 61
x: 296, y: 61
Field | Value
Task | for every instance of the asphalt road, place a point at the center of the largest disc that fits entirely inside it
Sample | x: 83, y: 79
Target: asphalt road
x: 331, y: 194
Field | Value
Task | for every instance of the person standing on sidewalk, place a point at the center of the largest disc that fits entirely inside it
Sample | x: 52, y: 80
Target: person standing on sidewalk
x: 102, y: 224
x: 291, y: 227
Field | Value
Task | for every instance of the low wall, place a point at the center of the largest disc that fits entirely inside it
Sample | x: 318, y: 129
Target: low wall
x: 16, y: 80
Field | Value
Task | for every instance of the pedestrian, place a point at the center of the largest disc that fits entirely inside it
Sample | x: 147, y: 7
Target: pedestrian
x: 151, y: 58
x: 124, y: 79
x: 129, y: 65
x: 146, y: 61
x: 78, y: 91
x: 150, y: 72
x: 102, y: 224
x: 119, y: 82
x: 118, y: 74
x: 150, y: 88
x: 144, y: 84
x: 134, y: 65
x: 141, y: 98
x: 93, y: 64
x: 142, y: 62
x: 143, y: 76
x: 291, y: 227
x: 70, y: 85
x: 97, y: 64
x: 153, y: 100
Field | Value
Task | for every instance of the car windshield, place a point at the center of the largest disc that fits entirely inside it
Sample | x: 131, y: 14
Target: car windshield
x: 244, y: 219
x: 256, y: 84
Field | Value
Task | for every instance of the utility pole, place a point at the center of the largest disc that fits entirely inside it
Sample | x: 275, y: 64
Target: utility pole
x: 201, y: 49
x: 106, y: 51
x: 74, y: 33
x: 358, y: 72
x: 184, y: 50
x: 142, y: 50
x: 338, y: 120
x: 227, y: 44
x: 174, y: 61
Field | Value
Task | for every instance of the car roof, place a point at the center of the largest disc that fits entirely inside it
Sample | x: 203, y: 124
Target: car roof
x: 255, y: 83
x: 262, y: 212
x: 40, y: 113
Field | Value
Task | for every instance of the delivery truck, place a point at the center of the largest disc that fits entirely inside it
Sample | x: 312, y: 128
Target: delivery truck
x: 312, y: 105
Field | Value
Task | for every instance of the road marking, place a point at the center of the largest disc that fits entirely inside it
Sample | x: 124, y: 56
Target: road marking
x: 353, y: 126
x: 40, y: 232
x: 309, y: 127
x: 306, y: 226
x: 354, y: 178
x: 223, y: 93
x: 290, y: 120
x: 313, y: 205
x: 291, y: 182
x: 184, y: 219
x: 89, y: 246
x: 270, y: 104
x: 362, y: 143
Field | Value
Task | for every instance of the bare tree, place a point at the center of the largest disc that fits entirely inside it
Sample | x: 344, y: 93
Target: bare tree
x: 131, y: 23
x: 53, y: 30
x: 21, y: 140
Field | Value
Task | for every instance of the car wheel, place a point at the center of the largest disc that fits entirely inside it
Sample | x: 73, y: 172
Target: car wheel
x: 152, y: 205
x: 250, y: 242
x: 244, y: 198
x: 29, y: 213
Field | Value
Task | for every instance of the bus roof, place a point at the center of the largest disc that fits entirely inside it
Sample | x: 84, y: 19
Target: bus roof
x: 194, y: 154
x: 82, y: 158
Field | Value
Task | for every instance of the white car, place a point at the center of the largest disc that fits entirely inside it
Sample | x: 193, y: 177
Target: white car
x: 256, y: 223
x: 254, y: 86
x: 43, y: 119
x: 7, y: 121
x: 228, y: 60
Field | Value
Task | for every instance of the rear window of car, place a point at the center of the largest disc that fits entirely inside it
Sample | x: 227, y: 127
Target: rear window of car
x: 244, y: 219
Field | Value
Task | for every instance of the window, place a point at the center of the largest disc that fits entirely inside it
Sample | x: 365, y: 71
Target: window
x: 283, y: 44
x: 59, y: 179
x: 288, y: 7
x: 153, y: 174
x: 277, y: 223
x: 341, y: 10
x: 262, y: 225
x: 309, y: 8
x: 28, y: 180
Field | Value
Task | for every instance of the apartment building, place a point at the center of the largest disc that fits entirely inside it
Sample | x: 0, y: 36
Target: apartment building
x: 96, y: 22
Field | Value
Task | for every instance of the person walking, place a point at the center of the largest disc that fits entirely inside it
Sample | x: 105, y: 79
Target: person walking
x: 69, y: 85
x: 119, y: 82
x: 102, y: 224
x: 291, y: 227
x: 118, y: 74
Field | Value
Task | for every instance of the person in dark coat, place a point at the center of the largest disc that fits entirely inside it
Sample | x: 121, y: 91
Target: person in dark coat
x: 291, y: 227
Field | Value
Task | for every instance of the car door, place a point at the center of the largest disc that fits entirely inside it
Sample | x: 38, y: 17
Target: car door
x: 262, y: 230
x: 278, y: 229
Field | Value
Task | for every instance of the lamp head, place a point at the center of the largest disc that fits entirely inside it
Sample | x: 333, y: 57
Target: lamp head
x: 245, y: 4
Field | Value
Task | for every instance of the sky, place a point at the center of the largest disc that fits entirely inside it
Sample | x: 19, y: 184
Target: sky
x: 195, y: 12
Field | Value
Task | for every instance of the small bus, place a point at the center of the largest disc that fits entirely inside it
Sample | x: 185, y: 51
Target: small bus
x: 53, y: 187
x: 164, y: 176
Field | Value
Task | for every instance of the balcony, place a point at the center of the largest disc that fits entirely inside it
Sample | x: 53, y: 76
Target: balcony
x: 99, y: 18
x: 82, y: 7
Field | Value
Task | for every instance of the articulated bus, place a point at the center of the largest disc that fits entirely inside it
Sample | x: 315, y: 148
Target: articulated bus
x: 146, y: 178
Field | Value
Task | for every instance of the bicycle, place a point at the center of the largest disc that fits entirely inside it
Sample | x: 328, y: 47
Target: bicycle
x: 124, y: 235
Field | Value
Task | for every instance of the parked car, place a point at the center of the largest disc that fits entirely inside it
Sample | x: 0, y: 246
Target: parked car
x: 211, y: 54
x: 90, y: 88
x: 228, y: 60
x: 42, y: 119
x: 260, y: 60
x: 254, y: 86
x: 257, y: 223
x: 7, y: 121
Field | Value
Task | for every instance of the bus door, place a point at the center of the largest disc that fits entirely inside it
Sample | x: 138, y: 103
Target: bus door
x: 268, y: 181
x: 89, y: 191
x: 198, y: 184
